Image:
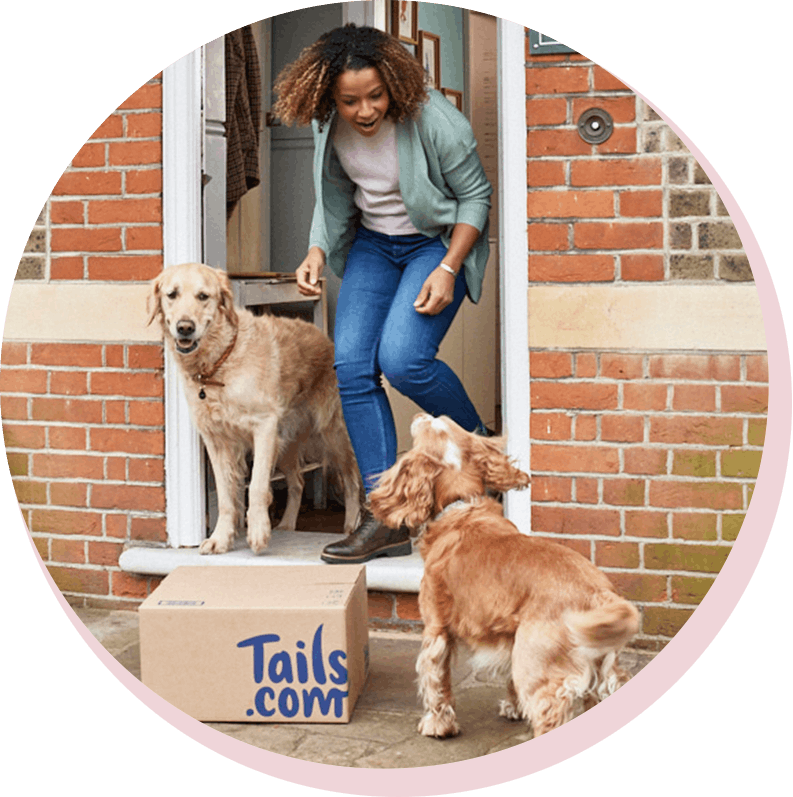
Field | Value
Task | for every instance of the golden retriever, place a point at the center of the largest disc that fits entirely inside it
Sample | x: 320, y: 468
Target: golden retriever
x: 264, y: 384
x: 535, y: 611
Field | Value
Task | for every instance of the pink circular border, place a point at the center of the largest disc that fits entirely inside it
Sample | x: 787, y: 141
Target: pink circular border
x: 622, y: 707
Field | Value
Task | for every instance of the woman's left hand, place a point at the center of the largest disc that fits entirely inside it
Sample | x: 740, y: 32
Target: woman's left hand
x: 436, y: 293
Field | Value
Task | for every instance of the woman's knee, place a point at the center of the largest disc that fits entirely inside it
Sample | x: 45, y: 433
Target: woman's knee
x: 401, y: 365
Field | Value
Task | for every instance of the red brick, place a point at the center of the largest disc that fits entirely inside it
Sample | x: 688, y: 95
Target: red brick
x: 642, y: 268
x: 757, y: 368
x: 681, y: 557
x: 706, y: 495
x: 570, y: 204
x: 67, y: 466
x: 127, y: 585
x: 582, y: 547
x: 89, y: 155
x: 112, y: 127
x: 116, y: 469
x: 146, y: 413
x: 14, y: 408
x: 622, y: 428
x: 651, y: 461
x: 116, y: 526
x: 618, y: 235
x: 546, y: 111
x: 114, y: 355
x: 694, y: 526
x: 144, y: 181
x: 623, y: 492
x: 67, y: 212
x: 586, y: 427
x: 72, y: 579
x: 146, y: 356
x: 548, y: 237
x: 621, y: 109
x: 137, y: 153
x: 71, y: 383
x: 14, y: 353
x: 542, y: 172
x: 557, y: 80
x: 586, y: 366
x: 576, y: 395
x: 605, y: 81
x: 67, y: 410
x: 30, y: 492
x: 23, y: 436
x: 640, y: 586
x: 144, y: 238
x: 571, y: 459
x: 127, y: 384
x: 562, y: 520
x: 720, y: 368
x: 744, y: 398
x: 549, y: 143
x: 586, y: 491
x: 68, y: 494
x: 621, y: 366
x: 646, y: 524
x: 407, y: 606
x: 551, y: 488
x: 85, y: 239
x: 68, y: 551
x: 689, y: 589
x: 663, y: 621
x: 125, y: 267
x: 621, y: 142
x: 66, y: 268
x: 550, y: 365
x: 641, y: 203
x: 23, y: 380
x: 617, y: 554
x: 644, y: 397
x: 68, y: 437
x: 701, y: 398
x: 88, y: 184
x: 147, y: 96
x: 146, y: 470
x: 571, y: 268
x: 755, y: 435
x: 612, y: 171
x: 116, y: 412
x: 127, y: 496
x: 144, y: 125
x: 131, y: 441
x: 152, y: 529
x: 76, y: 354
x: 550, y: 426
x: 109, y: 211
x: 104, y: 553
x: 381, y: 605
x: 696, y: 430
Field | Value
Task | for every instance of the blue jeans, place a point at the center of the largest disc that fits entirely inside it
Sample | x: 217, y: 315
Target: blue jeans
x: 378, y: 331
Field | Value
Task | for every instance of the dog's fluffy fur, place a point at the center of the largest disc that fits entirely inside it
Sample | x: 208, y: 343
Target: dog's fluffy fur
x: 279, y: 398
x: 534, y: 610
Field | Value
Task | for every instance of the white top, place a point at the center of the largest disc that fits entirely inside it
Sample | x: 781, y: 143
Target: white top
x: 372, y: 164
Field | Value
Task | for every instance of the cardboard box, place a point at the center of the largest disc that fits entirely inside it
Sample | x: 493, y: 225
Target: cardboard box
x: 258, y: 644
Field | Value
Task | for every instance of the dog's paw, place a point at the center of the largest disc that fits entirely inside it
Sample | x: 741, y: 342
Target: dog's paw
x: 439, y: 725
x: 506, y: 708
x: 258, y: 533
x: 214, y: 544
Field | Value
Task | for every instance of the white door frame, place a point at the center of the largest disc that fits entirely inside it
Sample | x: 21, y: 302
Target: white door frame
x: 182, y: 224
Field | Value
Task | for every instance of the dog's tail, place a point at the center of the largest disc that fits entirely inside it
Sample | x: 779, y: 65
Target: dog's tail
x: 605, y: 628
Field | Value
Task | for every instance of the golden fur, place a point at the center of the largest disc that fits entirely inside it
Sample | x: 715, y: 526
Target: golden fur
x: 534, y: 610
x: 278, y: 398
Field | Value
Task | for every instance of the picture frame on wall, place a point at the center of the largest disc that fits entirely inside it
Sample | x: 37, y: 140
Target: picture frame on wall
x: 429, y: 54
x: 455, y: 98
x: 405, y: 20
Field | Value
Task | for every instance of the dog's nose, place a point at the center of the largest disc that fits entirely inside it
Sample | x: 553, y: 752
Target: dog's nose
x: 185, y: 328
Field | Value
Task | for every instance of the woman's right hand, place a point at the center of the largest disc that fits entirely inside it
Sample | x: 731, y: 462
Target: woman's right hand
x: 309, y: 271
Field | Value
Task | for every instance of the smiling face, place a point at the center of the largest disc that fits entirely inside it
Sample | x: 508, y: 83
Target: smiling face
x: 362, y: 99
x: 187, y: 298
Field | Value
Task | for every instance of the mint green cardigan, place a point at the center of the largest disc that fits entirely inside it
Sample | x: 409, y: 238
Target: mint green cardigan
x: 440, y: 177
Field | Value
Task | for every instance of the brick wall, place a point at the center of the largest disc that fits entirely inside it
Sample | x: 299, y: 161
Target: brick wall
x: 83, y: 420
x: 643, y: 460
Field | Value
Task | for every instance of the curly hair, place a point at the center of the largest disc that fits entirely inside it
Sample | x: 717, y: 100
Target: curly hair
x: 305, y: 87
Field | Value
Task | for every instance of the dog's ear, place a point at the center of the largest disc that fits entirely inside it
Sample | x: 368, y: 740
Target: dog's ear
x: 405, y: 493
x: 226, y: 303
x: 494, y: 466
x: 153, y: 305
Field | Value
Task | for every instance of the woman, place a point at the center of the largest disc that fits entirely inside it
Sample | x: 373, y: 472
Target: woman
x: 401, y: 215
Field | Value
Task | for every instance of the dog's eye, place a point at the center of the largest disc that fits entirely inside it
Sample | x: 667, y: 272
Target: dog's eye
x: 172, y: 294
x: 202, y: 297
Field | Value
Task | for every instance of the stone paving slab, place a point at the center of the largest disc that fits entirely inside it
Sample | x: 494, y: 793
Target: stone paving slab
x: 382, y: 733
